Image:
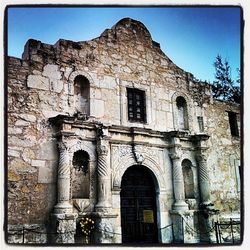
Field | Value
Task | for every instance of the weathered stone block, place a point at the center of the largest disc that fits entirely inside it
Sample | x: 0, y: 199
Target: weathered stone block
x: 56, y: 86
x: 108, y: 82
x: 38, y: 163
x: 38, y: 82
x: 28, y: 155
x: 99, y: 108
x: 52, y: 71
x: 48, y: 151
x: 50, y: 113
x: 46, y: 175
x: 13, y: 153
x: 22, y: 123
x: 97, y: 94
x: 12, y: 176
x: 14, y: 131
x: 67, y: 72
x: 27, y: 117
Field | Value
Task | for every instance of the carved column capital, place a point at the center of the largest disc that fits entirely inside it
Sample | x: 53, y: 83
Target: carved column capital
x: 102, y: 146
x: 201, y: 157
x: 62, y: 145
x: 174, y: 156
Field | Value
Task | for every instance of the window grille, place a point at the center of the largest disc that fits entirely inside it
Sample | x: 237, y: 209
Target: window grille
x: 136, y: 105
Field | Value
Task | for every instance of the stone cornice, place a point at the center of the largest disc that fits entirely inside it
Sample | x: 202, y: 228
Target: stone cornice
x: 66, y: 125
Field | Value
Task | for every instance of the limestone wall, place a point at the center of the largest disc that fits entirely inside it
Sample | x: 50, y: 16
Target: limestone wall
x: 32, y: 153
x: 111, y: 64
x: 223, y: 157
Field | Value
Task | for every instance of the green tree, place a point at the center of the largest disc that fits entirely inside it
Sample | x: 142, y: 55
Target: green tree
x: 223, y: 86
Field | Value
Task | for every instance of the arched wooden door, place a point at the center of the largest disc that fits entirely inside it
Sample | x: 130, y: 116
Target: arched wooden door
x: 138, y: 206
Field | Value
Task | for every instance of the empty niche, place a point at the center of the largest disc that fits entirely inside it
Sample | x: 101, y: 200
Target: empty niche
x: 188, y: 179
x: 81, y: 94
x: 80, y: 175
x: 182, y: 112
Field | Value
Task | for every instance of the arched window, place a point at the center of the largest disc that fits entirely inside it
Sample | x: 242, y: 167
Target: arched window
x: 80, y: 175
x: 81, y: 94
x: 188, y: 179
x: 182, y: 112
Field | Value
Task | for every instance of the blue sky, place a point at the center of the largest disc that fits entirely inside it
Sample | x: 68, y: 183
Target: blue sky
x: 190, y: 37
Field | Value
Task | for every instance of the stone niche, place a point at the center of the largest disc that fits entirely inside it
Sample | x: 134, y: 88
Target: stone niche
x: 80, y: 175
x: 80, y: 185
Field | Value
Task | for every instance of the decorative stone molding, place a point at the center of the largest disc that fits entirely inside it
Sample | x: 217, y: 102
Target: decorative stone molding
x: 76, y: 73
x: 102, y: 147
x: 81, y: 204
x: 106, y: 230
x: 123, y: 158
x: 102, y: 150
x: 174, y: 156
x: 64, y: 167
x: 102, y: 166
x: 76, y: 145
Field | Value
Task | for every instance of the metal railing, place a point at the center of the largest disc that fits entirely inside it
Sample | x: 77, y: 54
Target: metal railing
x: 228, y: 232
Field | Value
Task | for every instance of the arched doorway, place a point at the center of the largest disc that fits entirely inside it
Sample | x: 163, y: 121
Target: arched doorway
x: 138, y: 206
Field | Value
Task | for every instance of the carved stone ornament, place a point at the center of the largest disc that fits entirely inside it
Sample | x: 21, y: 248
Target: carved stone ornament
x: 201, y: 157
x: 139, y: 157
x: 174, y: 156
x: 66, y: 226
x: 64, y: 168
x: 106, y: 230
x: 81, y: 204
x: 102, y: 147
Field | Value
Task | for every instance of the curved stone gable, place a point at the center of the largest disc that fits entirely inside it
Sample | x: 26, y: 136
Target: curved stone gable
x: 131, y: 26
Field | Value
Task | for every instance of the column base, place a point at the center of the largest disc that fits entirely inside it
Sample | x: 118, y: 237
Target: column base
x: 183, y: 223
x: 63, y: 228
x: 63, y: 207
x: 107, y: 229
x: 180, y: 205
x: 103, y: 207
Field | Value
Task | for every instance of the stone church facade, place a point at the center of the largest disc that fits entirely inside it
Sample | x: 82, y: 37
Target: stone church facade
x: 112, y: 129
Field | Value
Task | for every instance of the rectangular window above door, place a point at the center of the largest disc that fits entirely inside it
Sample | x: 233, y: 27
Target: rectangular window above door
x: 136, y: 105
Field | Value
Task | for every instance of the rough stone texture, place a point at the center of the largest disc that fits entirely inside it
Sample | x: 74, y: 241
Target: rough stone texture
x: 224, y: 159
x: 27, y: 234
x: 41, y: 87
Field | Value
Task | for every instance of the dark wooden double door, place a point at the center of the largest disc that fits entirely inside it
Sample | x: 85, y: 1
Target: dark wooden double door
x: 138, y: 206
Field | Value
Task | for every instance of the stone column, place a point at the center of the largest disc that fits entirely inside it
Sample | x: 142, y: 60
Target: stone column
x: 103, y: 173
x: 63, y: 182
x: 207, y: 212
x: 63, y: 220
x: 178, y: 183
x: 203, y: 180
